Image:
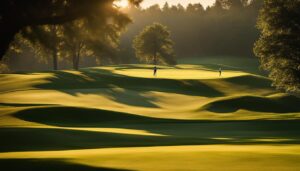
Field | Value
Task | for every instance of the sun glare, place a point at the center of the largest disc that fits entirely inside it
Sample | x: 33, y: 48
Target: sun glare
x: 121, y: 3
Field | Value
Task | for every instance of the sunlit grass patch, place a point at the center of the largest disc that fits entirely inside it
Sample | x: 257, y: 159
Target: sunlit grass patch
x: 122, y: 117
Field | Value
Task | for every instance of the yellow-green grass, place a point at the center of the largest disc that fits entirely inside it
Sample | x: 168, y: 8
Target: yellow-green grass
x: 123, y: 118
x: 205, y: 157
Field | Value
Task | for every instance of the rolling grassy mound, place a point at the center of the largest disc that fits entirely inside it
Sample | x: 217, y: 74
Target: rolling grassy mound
x: 278, y: 104
x: 123, y: 118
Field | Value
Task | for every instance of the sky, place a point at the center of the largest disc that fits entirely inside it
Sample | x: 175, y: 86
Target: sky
x: 147, y: 3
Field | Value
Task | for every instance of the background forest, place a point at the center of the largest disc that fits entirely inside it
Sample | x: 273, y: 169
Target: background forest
x: 228, y: 28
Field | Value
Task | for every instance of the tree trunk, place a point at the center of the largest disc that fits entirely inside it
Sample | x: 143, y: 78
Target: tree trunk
x: 55, y: 60
x: 76, y: 58
x: 74, y: 62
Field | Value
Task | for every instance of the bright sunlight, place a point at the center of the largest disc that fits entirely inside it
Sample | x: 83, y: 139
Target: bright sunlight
x: 121, y: 3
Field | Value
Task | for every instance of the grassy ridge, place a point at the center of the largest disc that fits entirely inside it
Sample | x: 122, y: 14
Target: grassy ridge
x: 279, y: 104
x: 123, y: 118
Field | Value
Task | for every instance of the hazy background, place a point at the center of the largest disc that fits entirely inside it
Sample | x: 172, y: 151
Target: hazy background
x: 205, y: 3
x: 199, y: 28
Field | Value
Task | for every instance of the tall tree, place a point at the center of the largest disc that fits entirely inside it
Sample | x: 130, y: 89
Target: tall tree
x: 47, y: 38
x: 278, y: 47
x: 154, y: 44
x: 84, y: 38
x: 74, y: 42
x: 166, y: 7
x: 17, y: 14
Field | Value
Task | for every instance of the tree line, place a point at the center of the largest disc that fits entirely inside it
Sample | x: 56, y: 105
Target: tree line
x: 227, y: 28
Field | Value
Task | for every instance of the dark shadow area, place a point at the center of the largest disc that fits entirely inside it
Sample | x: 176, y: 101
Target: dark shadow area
x: 40, y: 139
x: 91, y: 79
x: 124, y: 96
x: 99, y: 78
x: 81, y: 117
x: 23, y: 104
x: 87, y: 81
x: 251, y: 81
x: 48, y: 165
x: 285, y: 104
x: 45, y: 139
x: 178, y: 132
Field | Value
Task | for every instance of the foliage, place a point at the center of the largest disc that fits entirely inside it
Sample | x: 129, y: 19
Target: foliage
x: 16, y: 14
x: 4, y: 68
x: 97, y: 36
x: 154, y: 44
x: 219, y: 30
x: 278, y: 47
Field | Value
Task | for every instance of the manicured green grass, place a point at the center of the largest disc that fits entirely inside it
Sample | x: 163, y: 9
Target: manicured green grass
x: 123, y: 118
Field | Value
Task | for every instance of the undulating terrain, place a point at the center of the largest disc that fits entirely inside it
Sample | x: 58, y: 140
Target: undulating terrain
x: 123, y: 118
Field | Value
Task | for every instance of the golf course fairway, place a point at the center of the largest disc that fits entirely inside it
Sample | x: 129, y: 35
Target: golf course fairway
x: 123, y: 118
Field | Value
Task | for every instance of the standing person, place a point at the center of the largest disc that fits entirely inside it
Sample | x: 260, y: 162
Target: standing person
x: 154, y: 71
x: 220, y: 72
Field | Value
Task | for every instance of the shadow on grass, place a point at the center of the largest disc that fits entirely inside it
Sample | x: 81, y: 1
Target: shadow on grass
x: 285, y: 104
x: 133, y: 88
x: 23, y: 104
x: 99, y: 78
x: 178, y: 132
x: 37, y: 139
x: 251, y: 81
x: 48, y: 165
x: 45, y: 139
x: 81, y: 117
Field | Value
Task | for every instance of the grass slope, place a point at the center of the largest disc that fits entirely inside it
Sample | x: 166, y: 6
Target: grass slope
x: 278, y: 104
x: 123, y: 118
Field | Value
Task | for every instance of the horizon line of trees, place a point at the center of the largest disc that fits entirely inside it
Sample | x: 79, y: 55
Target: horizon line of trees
x: 227, y: 28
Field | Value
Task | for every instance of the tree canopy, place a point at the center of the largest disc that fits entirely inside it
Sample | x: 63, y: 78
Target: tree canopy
x: 154, y: 44
x: 17, y: 14
x: 278, y: 47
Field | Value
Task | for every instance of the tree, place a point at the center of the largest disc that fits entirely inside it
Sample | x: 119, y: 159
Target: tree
x: 217, y: 6
x: 180, y: 8
x: 74, y: 42
x: 17, y: 14
x: 230, y: 4
x: 234, y: 4
x: 154, y: 9
x: 192, y: 8
x: 153, y: 44
x: 47, y: 39
x: 278, y: 47
x: 83, y: 38
x: 74, y: 39
x: 166, y: 7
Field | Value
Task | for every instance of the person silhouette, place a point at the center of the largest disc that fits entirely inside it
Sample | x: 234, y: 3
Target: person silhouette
x: 154, y: 71
x: 220, y: 72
